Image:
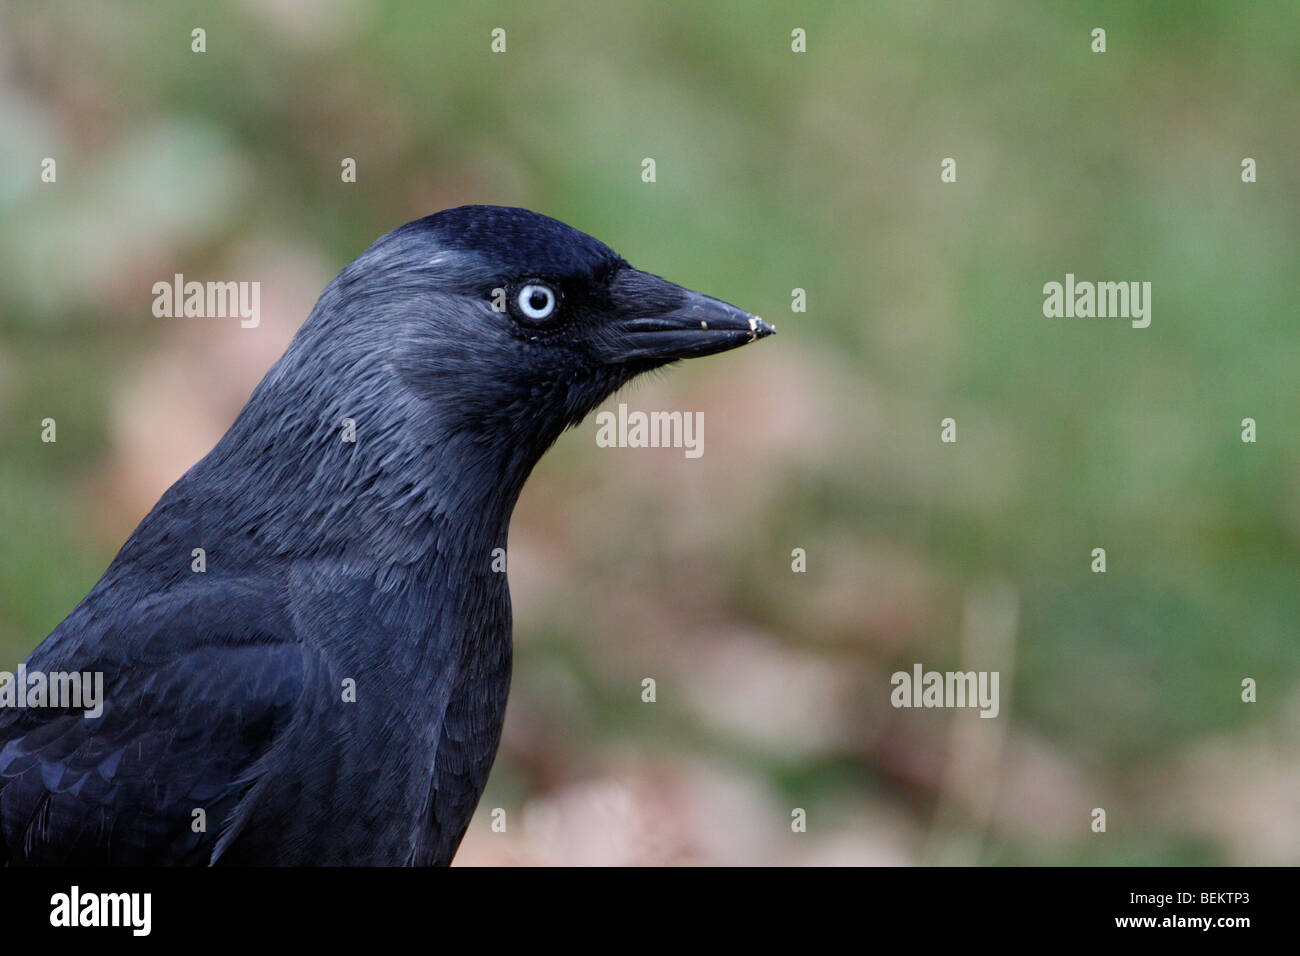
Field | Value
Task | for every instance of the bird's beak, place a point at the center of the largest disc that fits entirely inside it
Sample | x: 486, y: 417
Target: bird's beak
x: 661, y: 322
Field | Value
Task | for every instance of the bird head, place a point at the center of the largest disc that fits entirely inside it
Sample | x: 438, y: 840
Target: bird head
x: 459, y: 346
x: 509, y: 320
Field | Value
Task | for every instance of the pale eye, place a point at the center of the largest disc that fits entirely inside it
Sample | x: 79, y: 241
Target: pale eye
x: 536, y: 301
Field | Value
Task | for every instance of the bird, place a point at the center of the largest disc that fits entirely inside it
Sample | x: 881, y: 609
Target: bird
x: 328, y: 685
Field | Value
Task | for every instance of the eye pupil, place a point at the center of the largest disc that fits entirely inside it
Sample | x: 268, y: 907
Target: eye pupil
x: 537, y: 301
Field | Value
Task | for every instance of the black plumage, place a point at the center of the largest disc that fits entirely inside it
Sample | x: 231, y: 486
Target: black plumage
x: 331, y: 561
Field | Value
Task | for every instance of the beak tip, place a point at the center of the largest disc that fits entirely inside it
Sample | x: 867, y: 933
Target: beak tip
x: 759, y: 329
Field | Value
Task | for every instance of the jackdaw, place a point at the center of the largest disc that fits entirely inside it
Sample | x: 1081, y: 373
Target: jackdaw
x: 330, y: 689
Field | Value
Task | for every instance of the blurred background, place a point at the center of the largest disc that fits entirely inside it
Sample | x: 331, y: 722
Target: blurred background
x: 775, y: 171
